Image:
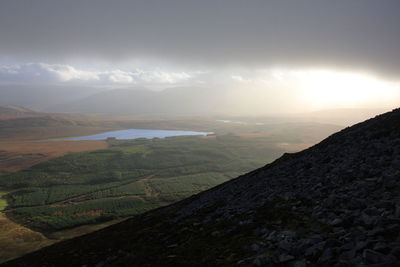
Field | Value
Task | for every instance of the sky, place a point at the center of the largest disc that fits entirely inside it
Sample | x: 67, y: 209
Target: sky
x: 325, y: 53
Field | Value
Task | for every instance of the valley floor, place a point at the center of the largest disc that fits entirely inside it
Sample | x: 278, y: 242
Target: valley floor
x: 66, y: 189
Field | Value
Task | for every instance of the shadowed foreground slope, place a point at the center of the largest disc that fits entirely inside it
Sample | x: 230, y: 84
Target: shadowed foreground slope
x: 337, y: 202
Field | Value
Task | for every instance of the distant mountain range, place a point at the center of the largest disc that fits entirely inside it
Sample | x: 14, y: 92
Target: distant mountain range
x: 42, y: 97
x: 195, y: 101
x: 334, y: 204
x: 172, y: 102
x: 178, y: 101
x: 15, y: 110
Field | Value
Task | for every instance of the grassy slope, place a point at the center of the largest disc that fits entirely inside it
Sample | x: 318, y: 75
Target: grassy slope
x: 3, y: 201
x: 23, y: 239
x: 16, y: 240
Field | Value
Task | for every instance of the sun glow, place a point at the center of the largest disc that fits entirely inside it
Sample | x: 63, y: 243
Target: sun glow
x: 321, y: 89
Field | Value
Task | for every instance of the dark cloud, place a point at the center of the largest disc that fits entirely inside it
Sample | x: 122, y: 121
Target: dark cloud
x: 363, y: 34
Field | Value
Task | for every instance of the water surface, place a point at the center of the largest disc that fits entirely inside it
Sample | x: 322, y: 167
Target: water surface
x: 138, y: 133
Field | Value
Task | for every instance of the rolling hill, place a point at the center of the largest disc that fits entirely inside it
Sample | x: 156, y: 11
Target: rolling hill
x: 334, y: 204
x: 41, y: 97
x: 141, y: 101
x: 15, y: 110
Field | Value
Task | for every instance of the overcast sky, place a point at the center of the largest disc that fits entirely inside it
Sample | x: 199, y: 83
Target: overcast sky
x: 170, y: 42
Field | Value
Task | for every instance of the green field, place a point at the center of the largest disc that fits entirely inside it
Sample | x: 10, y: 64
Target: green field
x: 129, y: 177
x: 3, y: 201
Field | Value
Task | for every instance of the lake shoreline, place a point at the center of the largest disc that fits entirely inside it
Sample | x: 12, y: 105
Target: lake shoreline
x: 130, y: 134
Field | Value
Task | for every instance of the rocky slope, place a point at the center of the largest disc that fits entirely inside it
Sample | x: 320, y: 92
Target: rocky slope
x: 334, y: 204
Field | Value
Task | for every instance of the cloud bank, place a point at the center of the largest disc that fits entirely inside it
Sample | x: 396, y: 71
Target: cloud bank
x: 58, y: 73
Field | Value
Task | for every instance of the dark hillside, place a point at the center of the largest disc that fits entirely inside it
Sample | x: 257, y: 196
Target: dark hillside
x: 334, y: 204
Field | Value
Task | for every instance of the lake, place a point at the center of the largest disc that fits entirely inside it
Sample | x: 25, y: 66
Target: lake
x: 138, y: 133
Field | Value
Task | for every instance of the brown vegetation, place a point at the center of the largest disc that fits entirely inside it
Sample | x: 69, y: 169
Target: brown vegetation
x: 89, y: 213
x: 17, y: 155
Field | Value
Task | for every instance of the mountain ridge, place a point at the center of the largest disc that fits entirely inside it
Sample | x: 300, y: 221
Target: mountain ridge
x: 142, y: 101
x: 15, y: 110
x: 334, y: 204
